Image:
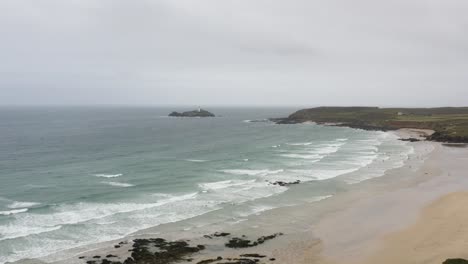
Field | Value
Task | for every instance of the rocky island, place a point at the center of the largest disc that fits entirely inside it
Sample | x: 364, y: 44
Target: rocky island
x: 195, y: 113
x: 449, y: 123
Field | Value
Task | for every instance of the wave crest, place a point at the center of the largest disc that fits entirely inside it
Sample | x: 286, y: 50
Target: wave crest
x: 103, y: 175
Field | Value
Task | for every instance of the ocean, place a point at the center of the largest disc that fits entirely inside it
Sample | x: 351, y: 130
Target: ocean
x: 74, y: 176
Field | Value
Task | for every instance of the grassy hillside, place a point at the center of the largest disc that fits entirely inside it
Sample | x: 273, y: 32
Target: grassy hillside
x: 450, y: 123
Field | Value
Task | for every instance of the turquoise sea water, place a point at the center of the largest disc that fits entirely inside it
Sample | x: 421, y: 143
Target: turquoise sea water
x: 73, y: 176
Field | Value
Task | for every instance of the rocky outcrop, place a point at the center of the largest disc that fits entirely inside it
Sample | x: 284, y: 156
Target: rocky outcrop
x: 162, y: 251
x: 194, y: 113
x: 450, y: 124
x: 456, y: 261
x: 442, y: 137
x: 237, y: 242
x: 410, y: 139
x: 284, y: 184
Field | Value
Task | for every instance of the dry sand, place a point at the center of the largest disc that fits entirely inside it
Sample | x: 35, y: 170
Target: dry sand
x: 440, y: 233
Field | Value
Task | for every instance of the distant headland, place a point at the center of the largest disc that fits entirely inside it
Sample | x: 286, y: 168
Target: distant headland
x: 449, y: 123
x: 195, y: 113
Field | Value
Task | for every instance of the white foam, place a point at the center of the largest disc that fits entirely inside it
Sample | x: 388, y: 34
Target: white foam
x: 321, y: 174
x: 240, y: 191
x: 300, y: 144
x: 252, y: 172
x: 320, y: 198
x: 224, y: 184
x: 315, y: 157
x: 16, y: 205
x: 361, y: 161
x: 16, y: 232
x: 374, y: 162
x: 29, y: 224
x: 108, y: 175
x: 118, y: 184
x: 196, y: 160
x: 15, y: 211
x: 317, y: 152
x: 256, y: 209
x: 95, y: 230
x: 256, y: 121
x: 327, y: 148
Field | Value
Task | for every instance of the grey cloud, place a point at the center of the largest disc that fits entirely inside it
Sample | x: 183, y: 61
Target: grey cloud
x: 234, y: 52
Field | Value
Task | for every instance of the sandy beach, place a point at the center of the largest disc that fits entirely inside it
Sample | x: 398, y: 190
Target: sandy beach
x: 422, y: 222
x: 440, y: 233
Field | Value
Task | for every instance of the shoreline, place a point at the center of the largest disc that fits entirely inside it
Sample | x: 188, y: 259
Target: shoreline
x: 398, y: 221
x: 307, y: 228
x: 450, y: 124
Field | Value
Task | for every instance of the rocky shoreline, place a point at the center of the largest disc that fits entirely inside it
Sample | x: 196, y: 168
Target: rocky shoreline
x: 437, y: 136
x: 161, y: 251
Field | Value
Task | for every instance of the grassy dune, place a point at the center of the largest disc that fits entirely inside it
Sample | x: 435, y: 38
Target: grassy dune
x: 450, y: 123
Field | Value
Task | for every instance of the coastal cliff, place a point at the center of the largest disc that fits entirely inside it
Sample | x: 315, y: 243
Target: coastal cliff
x: 449, y: 123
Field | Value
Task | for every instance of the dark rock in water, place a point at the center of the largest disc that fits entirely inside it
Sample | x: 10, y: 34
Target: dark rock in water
x: 207, y: 261
x: 111, y: 256
x: 284, y: 121
x: 410, y: 139
x: 194, y: 113
x: 237, y: 242
x: 129, y: 261
x: 239, y: 261
x: 217, y: 234
x: 201, y: 247
x: 166, y: 252
x: 455, y: 145
x: 282, y: 183
x: 96, y: 257
x: 222, y: 234
x: 82, y: 257
x: 456, y: 261
x: 272, y: 259
x: 262, y: 239
x: 90, y: 262
x: 254, y: 255
x: 116, y: 246
x: 240, y: 243
x: 106, y: 261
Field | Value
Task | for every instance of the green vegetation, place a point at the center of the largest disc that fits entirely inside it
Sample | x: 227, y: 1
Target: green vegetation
x: 450, y: 123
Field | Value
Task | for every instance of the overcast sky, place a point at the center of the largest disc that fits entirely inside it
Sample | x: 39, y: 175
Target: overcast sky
x: 234, y: 52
